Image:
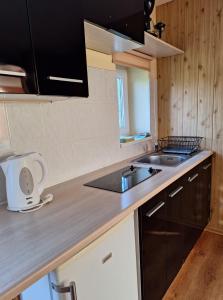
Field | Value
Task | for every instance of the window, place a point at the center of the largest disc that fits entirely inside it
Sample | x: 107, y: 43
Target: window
x: 133, y: 91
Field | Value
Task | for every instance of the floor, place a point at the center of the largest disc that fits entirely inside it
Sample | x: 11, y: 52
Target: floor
x: 201, y: 277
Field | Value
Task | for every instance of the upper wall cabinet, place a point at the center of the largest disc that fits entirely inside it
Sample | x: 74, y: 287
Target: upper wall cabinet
x: 16, y: 58
x: 57, y: 30
x: 123, y: 17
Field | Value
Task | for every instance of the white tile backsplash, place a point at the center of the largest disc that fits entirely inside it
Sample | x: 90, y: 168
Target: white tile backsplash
x: 76, y: 136
x: 4, y: 130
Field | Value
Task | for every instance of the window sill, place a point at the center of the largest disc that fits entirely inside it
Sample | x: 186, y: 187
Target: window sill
x: 122, y: 145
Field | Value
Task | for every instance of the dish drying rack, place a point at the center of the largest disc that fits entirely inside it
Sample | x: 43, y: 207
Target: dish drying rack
x: 180, y: 144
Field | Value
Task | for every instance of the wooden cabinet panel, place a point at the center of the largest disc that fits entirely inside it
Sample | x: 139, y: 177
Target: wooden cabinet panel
x: 190, y: 86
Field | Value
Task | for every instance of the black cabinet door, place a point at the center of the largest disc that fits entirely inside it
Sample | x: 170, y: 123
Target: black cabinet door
x: 153, y: 247
x: 204, y: 191
x: 58, y: 40
x: 175, y: 229
x: 16, y: 56
x: 192, y: 212
x: 170, y: 225
x: 128, y: 18
x: 125, y: 17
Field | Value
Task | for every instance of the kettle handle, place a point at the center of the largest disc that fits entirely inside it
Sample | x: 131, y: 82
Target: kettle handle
x: 39, y: 159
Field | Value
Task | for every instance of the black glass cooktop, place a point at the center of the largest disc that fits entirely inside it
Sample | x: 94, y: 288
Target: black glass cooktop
x: 124, y: 179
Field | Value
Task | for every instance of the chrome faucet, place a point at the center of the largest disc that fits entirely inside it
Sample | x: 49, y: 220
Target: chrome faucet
x: 156, y: 147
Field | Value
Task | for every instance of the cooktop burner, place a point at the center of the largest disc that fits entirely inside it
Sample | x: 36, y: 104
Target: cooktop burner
x: 124, y: 179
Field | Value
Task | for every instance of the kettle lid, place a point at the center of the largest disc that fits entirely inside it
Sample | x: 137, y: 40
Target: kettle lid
x: 18, y: 156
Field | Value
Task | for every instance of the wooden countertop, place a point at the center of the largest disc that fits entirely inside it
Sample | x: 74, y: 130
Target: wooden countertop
x: 32, y: 245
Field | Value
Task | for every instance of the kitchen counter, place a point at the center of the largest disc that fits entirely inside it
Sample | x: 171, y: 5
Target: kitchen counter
x: 33, y: 244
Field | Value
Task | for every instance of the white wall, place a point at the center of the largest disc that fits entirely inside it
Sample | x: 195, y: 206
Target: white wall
x: 75, y: 136
x: 4, y: 130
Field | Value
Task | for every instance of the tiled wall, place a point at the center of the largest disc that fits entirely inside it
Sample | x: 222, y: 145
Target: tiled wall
x: 74, y: 136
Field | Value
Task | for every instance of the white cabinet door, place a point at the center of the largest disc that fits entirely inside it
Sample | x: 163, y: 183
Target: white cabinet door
x: 105, y: 270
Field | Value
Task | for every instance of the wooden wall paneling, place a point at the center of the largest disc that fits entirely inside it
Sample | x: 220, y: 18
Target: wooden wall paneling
x: 218, y: 87
x: 172, y: 99
x: 163, y: 76
x: 217, y: 190
x: 190, y: 88
x: 206, y: 29
x: 217, y: 197
x: 176, y: 97
x: 163, y: 97
x: 175, y: 102
x: 177, y: 80
x: 190, y: 68
x: 162, y: 16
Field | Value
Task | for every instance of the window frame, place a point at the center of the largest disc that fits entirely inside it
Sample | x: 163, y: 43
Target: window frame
x: 121, y: 73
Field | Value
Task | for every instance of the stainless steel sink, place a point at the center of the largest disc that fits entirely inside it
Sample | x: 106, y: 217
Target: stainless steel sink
x: 171, y: 160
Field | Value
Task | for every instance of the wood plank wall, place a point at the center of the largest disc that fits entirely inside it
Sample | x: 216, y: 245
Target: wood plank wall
x: 190, y: 86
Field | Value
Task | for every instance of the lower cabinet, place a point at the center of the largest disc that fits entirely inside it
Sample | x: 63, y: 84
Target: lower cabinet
x: 169, y: 226
x: 153, y: 226
x: 104, y: 270
x: 175, y: 230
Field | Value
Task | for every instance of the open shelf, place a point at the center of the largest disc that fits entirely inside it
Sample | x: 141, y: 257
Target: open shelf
x: 155, y: 47
x: 102, y: 40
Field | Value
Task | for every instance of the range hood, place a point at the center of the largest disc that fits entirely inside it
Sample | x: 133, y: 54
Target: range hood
x: 107, y: 41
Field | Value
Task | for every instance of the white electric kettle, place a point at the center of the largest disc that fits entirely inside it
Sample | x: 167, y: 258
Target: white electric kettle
x: 22, y: 185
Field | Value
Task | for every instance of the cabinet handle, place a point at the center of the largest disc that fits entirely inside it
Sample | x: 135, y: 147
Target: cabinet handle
x: 53, y: 78
x: 207, y: 166
x: 12, y: 73
x: 73, y: 291
x: 12, y: 70
x: 107, y: 257
x: 155, y: 209
x: 191, y: 179
x: 174, y: 193
x: 67, y: 289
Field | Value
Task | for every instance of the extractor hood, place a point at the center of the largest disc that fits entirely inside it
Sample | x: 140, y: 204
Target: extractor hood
x: 107, y: 41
